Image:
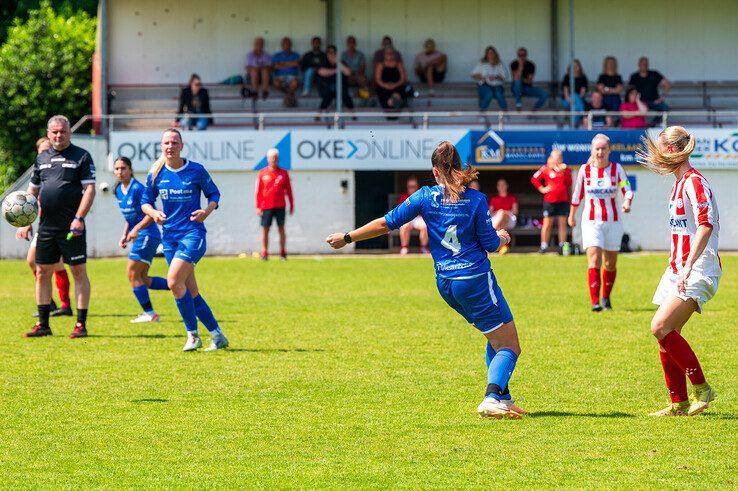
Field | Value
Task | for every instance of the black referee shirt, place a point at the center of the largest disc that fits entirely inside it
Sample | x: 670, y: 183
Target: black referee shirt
x: 60, y: 177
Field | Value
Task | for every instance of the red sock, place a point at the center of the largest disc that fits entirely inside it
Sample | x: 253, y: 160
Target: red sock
x: 608, y: 280
x: 62, y: 286
x: 676, y: 382
x: 678, y: 348
x: 594, y: 285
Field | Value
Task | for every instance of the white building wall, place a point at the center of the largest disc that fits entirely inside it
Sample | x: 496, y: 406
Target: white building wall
x: 684, y: 40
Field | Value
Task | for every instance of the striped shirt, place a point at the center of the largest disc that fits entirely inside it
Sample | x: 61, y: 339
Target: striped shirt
x: 691, y: 204
x: 598, y: 189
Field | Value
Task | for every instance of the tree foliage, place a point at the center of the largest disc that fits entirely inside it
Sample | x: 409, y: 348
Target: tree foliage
x: 45, y: 69
x: 10, y: 10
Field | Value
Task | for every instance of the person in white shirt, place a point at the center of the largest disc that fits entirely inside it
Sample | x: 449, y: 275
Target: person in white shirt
x: 490, y: 73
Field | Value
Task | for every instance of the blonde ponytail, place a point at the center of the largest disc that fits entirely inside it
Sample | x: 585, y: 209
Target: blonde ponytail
x: 157, y: 166
x: 446, y: 160
x: 661, y: 163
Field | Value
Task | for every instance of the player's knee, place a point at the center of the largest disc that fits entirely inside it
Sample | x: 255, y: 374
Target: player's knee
x: 658, y: 327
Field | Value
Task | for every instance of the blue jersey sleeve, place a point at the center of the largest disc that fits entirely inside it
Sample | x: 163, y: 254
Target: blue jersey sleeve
x: 150, y: 192
x: 209, y: 189
x: 486, y: 233
x: 406, y: 211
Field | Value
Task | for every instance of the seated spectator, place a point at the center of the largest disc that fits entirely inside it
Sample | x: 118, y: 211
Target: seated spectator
x: 634, y: 110
x: 356, y: 61
x: 287, y: 72
x: 193, y: 100
x: 259, y: 68
x: 326, y: 80
x: 379, y: 54
x: 504, y: 209
x: 647, y: 83
x: 610, y: 83
x: 418, y: 223
x: 490, y: 73
x: 581, y: 84
x: 430, y: 65
x: 523, y: 72
x: 391, y: 81
x: 599, y: 119
x: 311, y: 61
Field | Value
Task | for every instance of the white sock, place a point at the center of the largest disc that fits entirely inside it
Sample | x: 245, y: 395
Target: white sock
x: 544, y: 245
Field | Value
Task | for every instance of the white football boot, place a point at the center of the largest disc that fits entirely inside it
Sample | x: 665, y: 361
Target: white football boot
x: 492, y: 408
x: 193, y: 342
x: 219, y: 342
x: 145, y: 318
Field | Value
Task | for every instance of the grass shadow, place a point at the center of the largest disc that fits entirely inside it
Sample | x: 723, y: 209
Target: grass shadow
x: 139, y: 401
x: 559, y: 414
x: 112, y: 315
x: 143, y: 335
x: 275, y: 350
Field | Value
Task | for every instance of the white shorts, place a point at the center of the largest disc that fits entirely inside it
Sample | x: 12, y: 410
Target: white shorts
x: 605, y: 235
x: 700, y: 288
x: 418, y: 223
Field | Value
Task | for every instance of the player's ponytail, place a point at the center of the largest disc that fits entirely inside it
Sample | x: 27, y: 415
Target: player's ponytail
x: 451, y: 175
x: 159, y: 163
x: 661, y: 163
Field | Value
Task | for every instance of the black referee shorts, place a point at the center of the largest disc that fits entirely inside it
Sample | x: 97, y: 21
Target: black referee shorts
x: 556, y: 209
x: 269, y: 215
x: 51, y: 245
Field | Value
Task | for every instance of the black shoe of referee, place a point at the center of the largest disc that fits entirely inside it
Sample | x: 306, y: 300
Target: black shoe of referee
x: 38, y: 332
x: 61, y: 311
x: 52, y: 307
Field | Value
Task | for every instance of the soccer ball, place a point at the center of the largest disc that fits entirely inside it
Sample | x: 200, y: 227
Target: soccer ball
x: 20, y: 208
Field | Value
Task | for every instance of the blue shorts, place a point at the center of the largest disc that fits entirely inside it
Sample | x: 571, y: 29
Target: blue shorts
x: 144, y: 248
x: 190, y: 248
x: 479, y: 300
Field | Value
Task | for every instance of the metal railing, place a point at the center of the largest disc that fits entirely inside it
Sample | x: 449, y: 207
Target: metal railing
x: 424, y: 119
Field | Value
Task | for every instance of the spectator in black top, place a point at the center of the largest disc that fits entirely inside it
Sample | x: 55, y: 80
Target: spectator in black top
x: 326, y: 80
x: 648, y: 82
x: 581, y: 84
x: 610, y: 83
x: 193, y: 100
x: 523, y: 71
x: 599, y: 119
x: 390, y: 80
x: 379, y: 55
x: 64, y: 177
x: 311, y: 61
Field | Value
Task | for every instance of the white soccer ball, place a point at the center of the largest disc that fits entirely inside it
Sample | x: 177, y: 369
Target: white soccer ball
x: 20, y: 208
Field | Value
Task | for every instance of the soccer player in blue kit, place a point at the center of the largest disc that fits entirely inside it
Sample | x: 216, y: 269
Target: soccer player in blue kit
x: 179, y: 183
x: 461, y: 234
x: 144, y: 236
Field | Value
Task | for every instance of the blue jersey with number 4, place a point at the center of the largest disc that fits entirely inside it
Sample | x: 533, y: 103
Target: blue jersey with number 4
x: 460, y: 234
x: 129, y: 202
x: 180, y: 191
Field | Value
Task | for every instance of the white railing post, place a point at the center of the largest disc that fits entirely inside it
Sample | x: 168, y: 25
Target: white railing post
x: 261, y: 121
x: 500, y: 120
x: 336, y: 120
x: 426, y: 116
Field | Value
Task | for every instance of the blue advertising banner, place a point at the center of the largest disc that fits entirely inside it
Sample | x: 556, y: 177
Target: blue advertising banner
x: 531, y: 148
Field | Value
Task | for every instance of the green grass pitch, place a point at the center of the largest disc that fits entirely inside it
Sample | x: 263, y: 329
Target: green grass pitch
x: 352, y: 372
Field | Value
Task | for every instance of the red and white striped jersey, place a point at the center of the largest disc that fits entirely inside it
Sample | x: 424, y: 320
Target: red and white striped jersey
x: 691, y: 204
x: 598, y: 188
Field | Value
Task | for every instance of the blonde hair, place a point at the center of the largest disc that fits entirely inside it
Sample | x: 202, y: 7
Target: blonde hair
x: 598, y: 136
x: 661, y: 163
x: 451, y: 175
x: 159, y: 164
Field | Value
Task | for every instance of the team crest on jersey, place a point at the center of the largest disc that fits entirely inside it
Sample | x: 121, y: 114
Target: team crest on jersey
x: 164, y: 193
x: 680, y: 203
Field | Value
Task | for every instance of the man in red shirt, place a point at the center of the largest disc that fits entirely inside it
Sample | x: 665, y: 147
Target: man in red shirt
x: 553, y: 180
x: 273, y: 189
x: 418, y: 223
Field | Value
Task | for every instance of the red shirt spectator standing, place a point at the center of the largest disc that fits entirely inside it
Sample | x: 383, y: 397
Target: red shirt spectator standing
x: 273, y: 190
x: 553, y: 180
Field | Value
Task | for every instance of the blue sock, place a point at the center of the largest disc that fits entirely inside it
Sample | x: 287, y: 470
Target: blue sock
x: 489, y: 355
x: 206, y: 315
x: 159, y: 283
x: 187, y: 310
x: 499, y: 372
x: 142, y: 295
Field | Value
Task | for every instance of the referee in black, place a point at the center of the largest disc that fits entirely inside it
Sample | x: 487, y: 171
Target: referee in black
x: 64, y: 178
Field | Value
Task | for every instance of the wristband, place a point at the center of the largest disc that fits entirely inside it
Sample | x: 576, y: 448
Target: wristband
x: 81, y: 219
x: 347, y: 238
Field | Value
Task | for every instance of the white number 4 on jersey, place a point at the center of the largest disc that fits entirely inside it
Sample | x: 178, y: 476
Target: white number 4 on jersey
x: 451, y: 240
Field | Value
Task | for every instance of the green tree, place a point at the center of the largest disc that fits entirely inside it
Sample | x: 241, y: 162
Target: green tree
x: 10, y: 10
x: 45, y: 69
